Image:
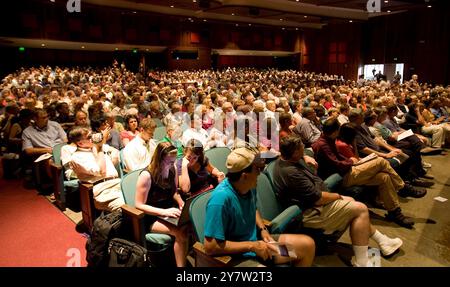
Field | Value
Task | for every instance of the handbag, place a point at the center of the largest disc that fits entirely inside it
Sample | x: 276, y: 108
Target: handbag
x: 123, y: 253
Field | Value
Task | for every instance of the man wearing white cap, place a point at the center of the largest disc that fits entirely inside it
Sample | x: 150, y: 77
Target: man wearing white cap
x: 233, y: 224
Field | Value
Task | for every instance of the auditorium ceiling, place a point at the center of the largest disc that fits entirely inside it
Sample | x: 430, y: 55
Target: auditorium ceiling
x: 284, y: 13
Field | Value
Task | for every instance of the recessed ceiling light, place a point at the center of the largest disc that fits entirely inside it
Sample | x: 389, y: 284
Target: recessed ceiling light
x: 296, y: 29
x: 232, y: 14
x: 249, y: 24
x: 389, y: 11
x: 283, y: 28
x: 281, y: 19
x: 146, y: 50
x: 82, y: 47
x: 237, y: 25
x: 171, y: 6
x: 429, y: 6
x: 305, y: 16
x: 204, y: 20
x: 386, y: 1
x: 53, y: 1
x: 43, y: 45
x: 116, y: 49
x: 194, y: 1
x: 351, y: 21
x: 134, y: 12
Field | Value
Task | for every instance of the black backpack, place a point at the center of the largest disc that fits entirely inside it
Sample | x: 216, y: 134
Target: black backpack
x: 124, y: 253
x: 105, y: 228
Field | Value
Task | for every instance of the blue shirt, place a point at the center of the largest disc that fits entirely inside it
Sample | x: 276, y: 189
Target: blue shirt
x: 231, y: 216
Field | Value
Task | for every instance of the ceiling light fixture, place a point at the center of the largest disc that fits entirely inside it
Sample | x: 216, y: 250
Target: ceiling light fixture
x: 43, y: 45
x: 171, y: 6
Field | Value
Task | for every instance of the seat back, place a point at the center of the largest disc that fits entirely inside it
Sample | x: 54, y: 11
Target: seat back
x: 128, y: 186
x: 268, y: 171
x: 197, y: 213
x: 218, y: 157
x: 122, y: 166
x: 56, y: 153
x: 267, y: 202
x: 159, y: 134
x: 120, y: 119
x: 158, y: 122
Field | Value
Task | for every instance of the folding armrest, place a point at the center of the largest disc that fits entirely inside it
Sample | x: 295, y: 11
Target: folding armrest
x: 89, y: 212
x: 136, y: 217
x: 279, y: 224
x: 58, y: 184
x: 202, y: 259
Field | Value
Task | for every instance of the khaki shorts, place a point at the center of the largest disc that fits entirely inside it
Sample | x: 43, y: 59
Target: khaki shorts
x: 334, y: 216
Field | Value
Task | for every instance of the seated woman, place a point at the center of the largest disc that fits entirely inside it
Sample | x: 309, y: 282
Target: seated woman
x: 156, y: 195
x: 346, y: 142
x: 131, y: 129
x: 197, y: 173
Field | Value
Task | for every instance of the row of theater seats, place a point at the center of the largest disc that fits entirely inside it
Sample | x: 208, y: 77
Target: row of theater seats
x: 277, y: 218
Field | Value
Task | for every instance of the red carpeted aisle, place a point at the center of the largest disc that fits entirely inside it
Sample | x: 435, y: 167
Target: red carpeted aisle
x: 33, y: 232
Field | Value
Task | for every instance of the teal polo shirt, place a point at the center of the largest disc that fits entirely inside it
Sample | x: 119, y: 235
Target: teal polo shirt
x: 231, y: 216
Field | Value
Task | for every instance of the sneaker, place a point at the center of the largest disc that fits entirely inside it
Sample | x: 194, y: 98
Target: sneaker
x: 411, y: 191
x: 354, y: 264
x: 369, y: 262
x: 422, y: 183
x: 426, y: 164
x: 390, y: 246
x: 398, y: 217
x: 427, y: 176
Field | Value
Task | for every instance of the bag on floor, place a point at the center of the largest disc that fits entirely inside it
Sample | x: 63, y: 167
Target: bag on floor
x: 106, y: 227
x: 123, y: 253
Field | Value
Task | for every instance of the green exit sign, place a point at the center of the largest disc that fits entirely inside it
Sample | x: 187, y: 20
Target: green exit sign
x: 22, y: 49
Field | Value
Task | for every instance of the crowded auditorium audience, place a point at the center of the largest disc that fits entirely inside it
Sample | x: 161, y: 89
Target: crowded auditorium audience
x: 256, y: 114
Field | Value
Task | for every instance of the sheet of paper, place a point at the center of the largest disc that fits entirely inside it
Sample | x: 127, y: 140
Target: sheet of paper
x: 404, y: 135
x: 367, y: 158
x: 43, y: 157
x: 440, y: 199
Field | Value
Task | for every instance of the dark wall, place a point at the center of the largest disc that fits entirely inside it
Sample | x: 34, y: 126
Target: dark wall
x: 419, y: 38
x: 336, y: 49
x: 12, y: 59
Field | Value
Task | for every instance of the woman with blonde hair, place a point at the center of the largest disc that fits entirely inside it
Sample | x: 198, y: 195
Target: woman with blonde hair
x: 157, y: 195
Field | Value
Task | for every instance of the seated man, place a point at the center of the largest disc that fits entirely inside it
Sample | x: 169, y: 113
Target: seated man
x: 376, y: 172
x: 307, y: 128
x: 233, y: 224
x: 41, y: 137
x: 366, y: 144
x: 139, y: 151
x: 331, y: 212
x: 94, y: 160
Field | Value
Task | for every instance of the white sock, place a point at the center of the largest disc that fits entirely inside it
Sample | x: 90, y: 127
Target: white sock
x: 379, y: 237
x: 361, y: 255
